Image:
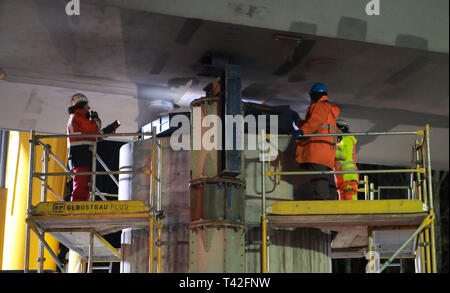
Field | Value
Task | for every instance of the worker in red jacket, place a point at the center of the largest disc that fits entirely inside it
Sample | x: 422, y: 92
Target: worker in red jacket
x: 81, y: 121
x: 317, y: 153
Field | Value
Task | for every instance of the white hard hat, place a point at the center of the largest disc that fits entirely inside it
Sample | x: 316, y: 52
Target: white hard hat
x: 78, y: 98
x: 341, y: 123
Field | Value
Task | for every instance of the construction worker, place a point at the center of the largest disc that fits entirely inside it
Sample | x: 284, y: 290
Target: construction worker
x: 81, y: 121
x: 317, y: 153
x: 347, y: 184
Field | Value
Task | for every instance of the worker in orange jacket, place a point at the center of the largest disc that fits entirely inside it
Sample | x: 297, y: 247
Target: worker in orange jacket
x: 81, y: 121
x: 347, y: 184
x: 317, y: 153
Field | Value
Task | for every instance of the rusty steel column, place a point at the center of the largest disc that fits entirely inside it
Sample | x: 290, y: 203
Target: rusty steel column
x: 217, y: 196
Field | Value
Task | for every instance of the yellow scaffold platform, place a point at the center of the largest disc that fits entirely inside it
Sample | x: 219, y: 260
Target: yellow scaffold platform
x: 390, y: 221
x: 372, y: 228
x: 72, y: 222
x: 103, y: 216
x: 80, y: 225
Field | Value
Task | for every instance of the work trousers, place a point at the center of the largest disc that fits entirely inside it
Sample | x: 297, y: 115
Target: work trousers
x: 348, y: 190
x: 315, y: 187
x: 81, y: 184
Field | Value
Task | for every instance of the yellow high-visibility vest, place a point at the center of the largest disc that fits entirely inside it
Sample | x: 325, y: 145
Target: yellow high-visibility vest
x: 346, y: 157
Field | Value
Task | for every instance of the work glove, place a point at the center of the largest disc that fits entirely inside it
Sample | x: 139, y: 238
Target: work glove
x: 297, y: 134
x: 93, y: 115
x: 111, y: 128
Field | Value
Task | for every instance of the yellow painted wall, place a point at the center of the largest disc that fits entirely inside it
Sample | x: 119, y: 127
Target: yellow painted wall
x: 17, y: 185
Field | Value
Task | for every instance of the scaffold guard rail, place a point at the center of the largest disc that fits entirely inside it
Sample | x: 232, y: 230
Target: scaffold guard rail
x: 80, y: 225
x: 373, y: 214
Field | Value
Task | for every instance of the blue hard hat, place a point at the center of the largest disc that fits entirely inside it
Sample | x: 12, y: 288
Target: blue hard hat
x: 318, y: 87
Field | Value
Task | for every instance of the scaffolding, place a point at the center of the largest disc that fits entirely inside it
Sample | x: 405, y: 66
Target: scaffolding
x: 80, y: 225
x: 414, y: 214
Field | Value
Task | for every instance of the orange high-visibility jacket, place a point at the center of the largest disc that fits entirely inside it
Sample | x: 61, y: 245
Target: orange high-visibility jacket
x: 320, y: 118
x: 79, y: 152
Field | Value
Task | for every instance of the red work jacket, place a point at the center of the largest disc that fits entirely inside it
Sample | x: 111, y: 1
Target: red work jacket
x: 80, y: 154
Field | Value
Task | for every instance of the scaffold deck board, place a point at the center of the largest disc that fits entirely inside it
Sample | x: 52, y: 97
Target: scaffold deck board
x: 103, y: 216
x: 78, y: 241
x: 336, y: 215
x: 392, y: 223
x: 347, y: 207
x: 339, y: 222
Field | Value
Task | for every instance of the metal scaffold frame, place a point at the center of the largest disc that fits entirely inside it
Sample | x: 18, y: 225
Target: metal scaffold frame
x: 154, y: 213
x: 421, y: 188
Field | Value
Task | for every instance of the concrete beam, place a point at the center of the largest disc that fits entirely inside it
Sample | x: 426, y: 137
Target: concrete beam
x: 414, y: 24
